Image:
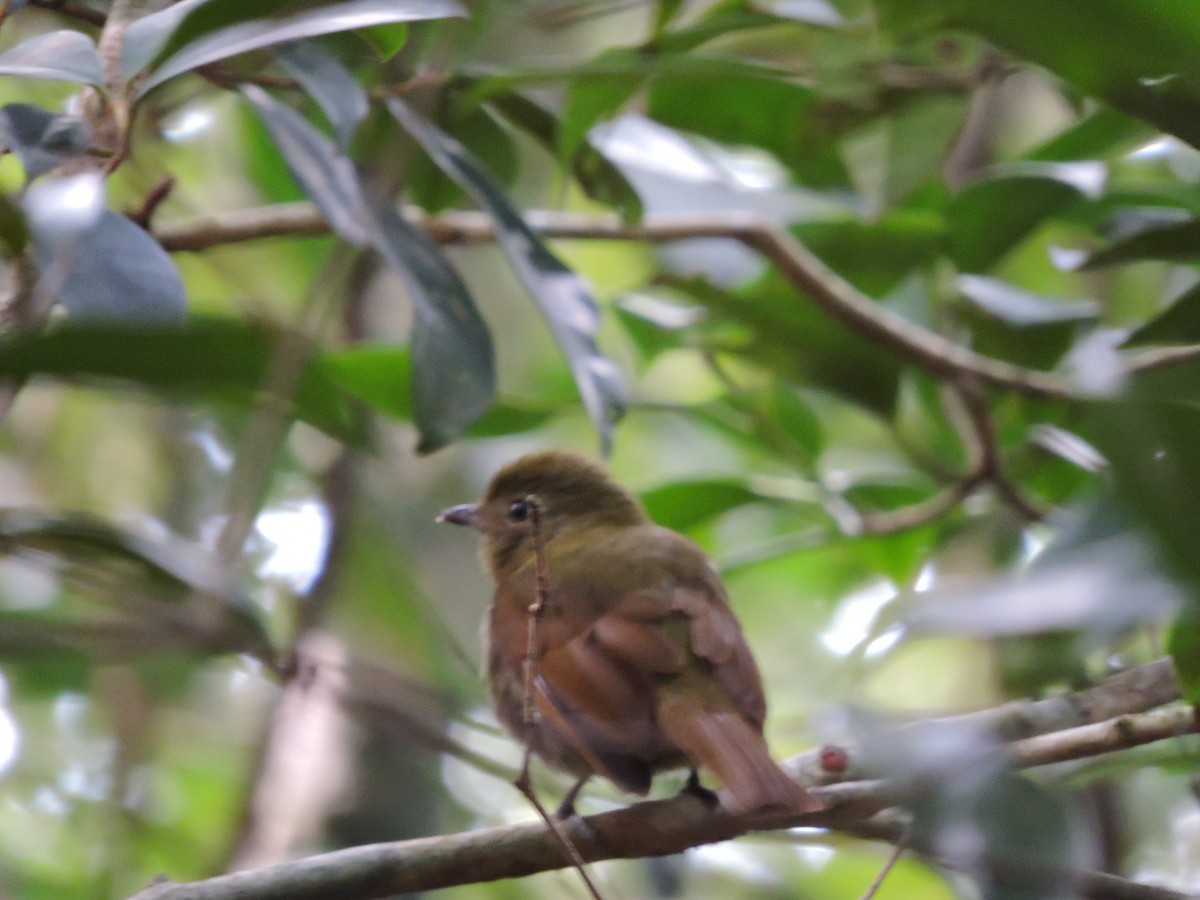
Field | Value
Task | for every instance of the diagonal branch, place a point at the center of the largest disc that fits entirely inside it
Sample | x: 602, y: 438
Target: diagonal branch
x: 829, y: 291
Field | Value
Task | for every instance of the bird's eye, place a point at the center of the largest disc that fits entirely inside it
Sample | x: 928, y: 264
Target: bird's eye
x: 518, y: 511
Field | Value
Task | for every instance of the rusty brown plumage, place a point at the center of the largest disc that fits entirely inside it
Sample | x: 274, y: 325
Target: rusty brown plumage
x: 641, y: 664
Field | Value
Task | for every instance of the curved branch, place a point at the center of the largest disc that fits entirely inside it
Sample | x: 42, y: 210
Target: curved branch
x: 829, y: 291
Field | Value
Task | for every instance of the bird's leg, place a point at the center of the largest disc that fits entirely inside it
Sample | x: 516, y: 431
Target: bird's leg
x: 696, y: 789
x: 566, y: 809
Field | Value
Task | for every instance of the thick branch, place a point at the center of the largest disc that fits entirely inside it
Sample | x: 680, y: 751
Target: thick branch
x: 829, y: 291
x: 654, y: 828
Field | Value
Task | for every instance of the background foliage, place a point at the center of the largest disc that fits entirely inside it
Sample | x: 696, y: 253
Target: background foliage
x: 230, y: 633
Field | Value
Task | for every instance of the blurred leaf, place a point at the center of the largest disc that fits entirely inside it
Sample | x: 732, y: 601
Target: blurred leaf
x: 1183, y: 644
x: 599, y: 178
x: 747, y: 105
x: 682, y: 505
x: 477, y: 130
x: 1091, y: 586
x: 1021, y: 308
x: 42, y: 140
x: 1087, y: 43
x: 326, y: 80
x: 721, y: 20
x: 991, y: 216
x: 221, y: 358
x: 1102, y: 133
x: 173, y: 570
x: 381, y: 376
x: 454, y: 369
x: 923, y: 427
x: 1151, y: 445
x: 114, y: 272
x: 891, y: 156
x: 609, y: 81
x: 325, y: 174
x: 563, y: 297
x: 14, y: 229
x: 206, y: 34
x: 787, y: 409
x: 1178, y: 241
x: 385, y: 40
x: 452, y: 359
x: 146, y: 36
x: 664, y: 12
x: 58, y: 56
x: 876, y: 255
x: 1179, y: 323
x: 79, y: 538
x: 790, y: 337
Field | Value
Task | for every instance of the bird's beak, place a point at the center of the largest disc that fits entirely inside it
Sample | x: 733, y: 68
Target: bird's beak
x: 463, y: 514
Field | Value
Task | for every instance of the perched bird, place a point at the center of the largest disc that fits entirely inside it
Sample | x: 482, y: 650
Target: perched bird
x: 640, y: 664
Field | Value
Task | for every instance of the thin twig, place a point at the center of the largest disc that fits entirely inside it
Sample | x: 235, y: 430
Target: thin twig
x: 988, y: 463
x: 154, y: 199
x: 524, y: 783
x: 889, y: 864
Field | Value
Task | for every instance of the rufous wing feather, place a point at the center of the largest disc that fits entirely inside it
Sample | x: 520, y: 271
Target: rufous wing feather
x: 722, y: 741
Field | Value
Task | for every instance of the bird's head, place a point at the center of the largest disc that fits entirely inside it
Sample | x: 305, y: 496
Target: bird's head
x: 572, y: 494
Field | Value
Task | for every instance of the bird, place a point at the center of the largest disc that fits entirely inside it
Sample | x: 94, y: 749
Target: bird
x: 640, y: 664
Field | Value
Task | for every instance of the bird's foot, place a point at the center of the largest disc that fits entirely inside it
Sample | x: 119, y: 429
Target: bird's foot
x: 693, y: 787
x: 566, y: 809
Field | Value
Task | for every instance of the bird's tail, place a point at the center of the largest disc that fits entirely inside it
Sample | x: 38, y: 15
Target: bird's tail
x: 723, y: 742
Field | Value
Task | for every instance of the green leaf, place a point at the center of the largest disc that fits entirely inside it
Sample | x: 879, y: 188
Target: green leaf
x: 57, y: 56
x: 1151, y: 445
x: 323, y: 172
x: 206, y: 34
x: 599, y: 178
x: 991, y: 216
x: 219, y: 358
x: 380, y: 375
x: 327, y: 81
x: 1089, y: 44
x: 1179, y: 323
x: 1183, y: 644
x: 791, y: 338
x: 598, y: 94
x: 172, y: 570
x: 682, y: 505
x: 14, y: 229
x: 1106, y: 132
x: 454, y: 378
x: 452, y: 351
x: 876, y: 255
x: 476, y: 129
x: 563, y: 297
x: 1178, y: 242
x: 891, y: 156
x: 385, y: 40
x: 664, y: 12
x: 82, y: 538
x: 742, y: 104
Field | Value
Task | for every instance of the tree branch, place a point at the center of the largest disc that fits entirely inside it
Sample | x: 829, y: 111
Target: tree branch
x: 663, y: 827
x: 829, y: 291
